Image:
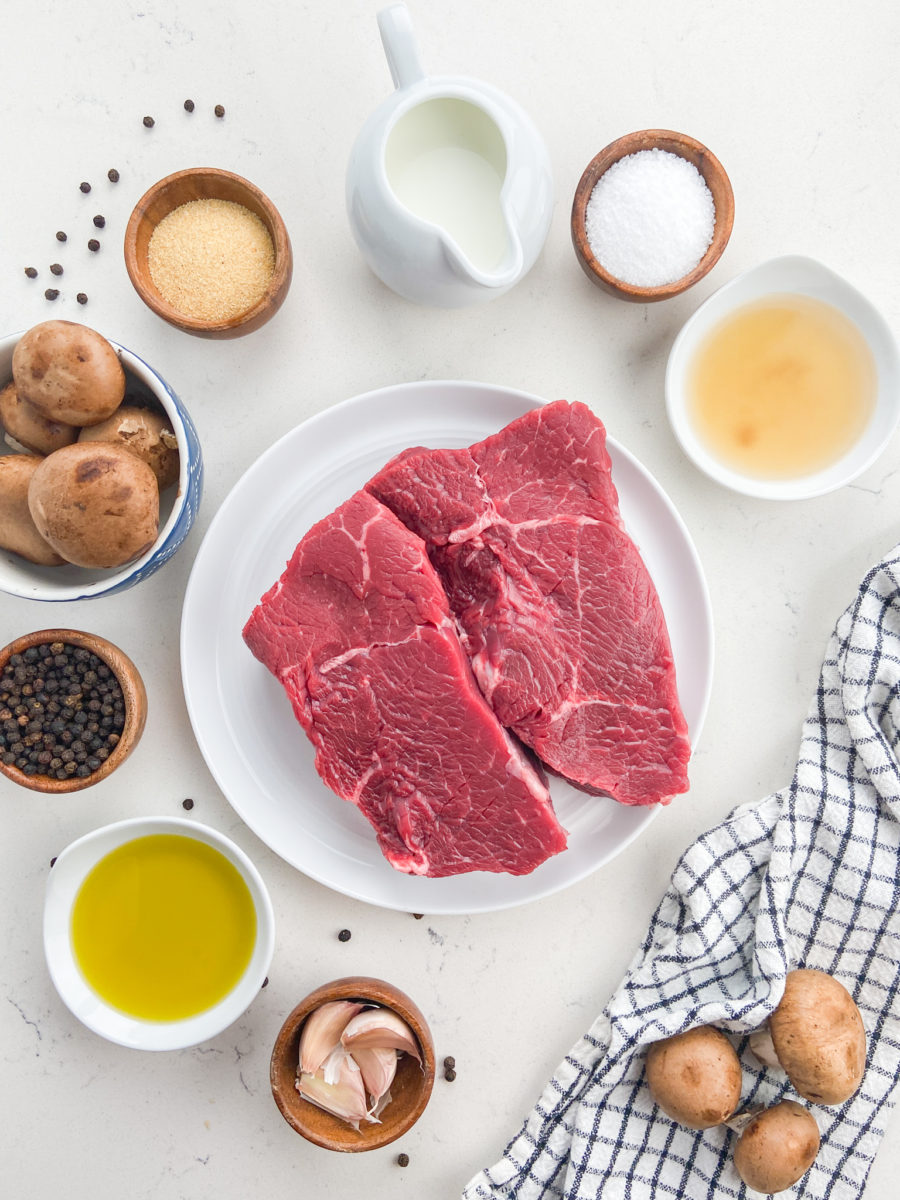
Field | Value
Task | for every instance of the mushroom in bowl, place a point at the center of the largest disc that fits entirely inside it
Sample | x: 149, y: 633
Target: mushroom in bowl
x: 42, y: 524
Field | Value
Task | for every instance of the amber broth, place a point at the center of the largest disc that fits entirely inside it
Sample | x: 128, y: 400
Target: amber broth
x: 782, y: 387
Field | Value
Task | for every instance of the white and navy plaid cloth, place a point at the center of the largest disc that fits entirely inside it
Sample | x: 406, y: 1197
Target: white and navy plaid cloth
x: 809, y: 877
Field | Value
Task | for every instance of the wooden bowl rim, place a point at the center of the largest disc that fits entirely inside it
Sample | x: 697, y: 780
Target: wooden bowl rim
x: 285, y: 1054
x: 133, y: 693
x: 713, y: 173
x: 139, y: 272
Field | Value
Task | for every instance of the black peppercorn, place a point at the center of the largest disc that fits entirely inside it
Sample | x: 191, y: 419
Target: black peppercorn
x: 220, y: 110
x: 188, y: 804
x: 418, y: 916
x: 82, y: 298
x: 450, y: 1062
x: 93, y: 244
x: 52, y: 293
x: 52, y: 862
x: 84, y: 187
x: 449, y: 1074
x: 188, y: 106
x: 265, y: 982
x: 56, y: 269
x: 344, y: 935
x: 149, y: 122
x: 99, y: 221
x: 31, y: 272
x: 402, y: 1160
x: 60, y: 236
x: 112, y: 175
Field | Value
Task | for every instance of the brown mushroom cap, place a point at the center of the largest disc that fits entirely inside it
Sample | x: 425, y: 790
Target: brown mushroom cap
x: 69, y: 373
x: 695, y: 1077
x: 29, y: 428
x: 144, y: 432
x: 95, y: 503
x: 819, y: 1037
x: 777, y: 1147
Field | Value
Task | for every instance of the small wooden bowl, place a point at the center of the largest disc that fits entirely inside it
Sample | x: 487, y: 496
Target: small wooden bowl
x: 716, y: 180
x: 206, y: 183
x: 133, y: 693
x: 410, y: 1090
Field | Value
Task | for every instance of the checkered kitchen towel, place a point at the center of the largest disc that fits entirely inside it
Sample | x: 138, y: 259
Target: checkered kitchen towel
x: 808, y: 877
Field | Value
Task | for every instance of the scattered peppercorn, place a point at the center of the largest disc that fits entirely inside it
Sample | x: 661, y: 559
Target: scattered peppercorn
x: 220, y: 110
x: 265, y: 982
x: 45, y: 694
x: 344, y: 935
x: 188, y: 106
x: 56, y: 268
x: 402, y: 1160
x: 60, y: 235
x: 84, y: 187
x: 188, y: 804
x: 149, y: 122
x: 82, y: 298
x: 93, y: 244
x: 31, y: 272
x: 99, y: 221
x: 418, y: 916
x: 52, y: 293
x: 449, y: 1074
x: 52, y: 862
x: 112, y: 175
x: 450, y: 1062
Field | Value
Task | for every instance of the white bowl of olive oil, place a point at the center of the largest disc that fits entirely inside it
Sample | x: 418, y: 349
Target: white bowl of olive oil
x: 158, y: 932
x: 785, y: 383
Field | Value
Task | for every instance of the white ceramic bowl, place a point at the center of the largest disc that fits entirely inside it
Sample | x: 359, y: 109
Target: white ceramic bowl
x: 809, y: 278
x: 66, y: 878
x: 178, y: 505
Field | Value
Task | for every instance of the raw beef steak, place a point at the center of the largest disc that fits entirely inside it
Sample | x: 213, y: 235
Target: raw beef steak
x: 359, y: 633
x: 560, y: 617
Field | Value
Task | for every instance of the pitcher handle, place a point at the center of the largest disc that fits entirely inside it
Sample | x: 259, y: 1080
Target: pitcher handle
x: 399, y: 43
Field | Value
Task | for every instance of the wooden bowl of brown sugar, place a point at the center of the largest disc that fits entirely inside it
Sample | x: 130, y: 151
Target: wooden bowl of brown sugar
x: 72, y: 708
x: 208, y: 252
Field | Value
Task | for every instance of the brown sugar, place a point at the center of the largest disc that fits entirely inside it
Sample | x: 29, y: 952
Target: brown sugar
x: 211, y: 259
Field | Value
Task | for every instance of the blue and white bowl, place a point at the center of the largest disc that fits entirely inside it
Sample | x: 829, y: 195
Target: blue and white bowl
x: 178, y: 506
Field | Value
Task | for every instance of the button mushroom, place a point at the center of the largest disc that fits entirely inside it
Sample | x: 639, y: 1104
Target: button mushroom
x: 777, y: 1147
x: 95, y: 503
x: 816, y: 1036
x: 18, y: 531
x: 69, y: 373
x: 144, y: 432
x: 27, y: 429
x: 695, y: 1077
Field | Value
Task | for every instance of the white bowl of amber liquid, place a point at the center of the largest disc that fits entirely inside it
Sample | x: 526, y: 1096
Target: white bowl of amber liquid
x: 158, y: 932
x: 785, y: 383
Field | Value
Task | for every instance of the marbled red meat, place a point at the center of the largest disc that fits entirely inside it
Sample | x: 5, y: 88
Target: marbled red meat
x: 359, y: 633
x: 560, y: 617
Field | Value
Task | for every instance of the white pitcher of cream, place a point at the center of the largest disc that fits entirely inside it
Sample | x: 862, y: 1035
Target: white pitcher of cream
x: 449, y: 189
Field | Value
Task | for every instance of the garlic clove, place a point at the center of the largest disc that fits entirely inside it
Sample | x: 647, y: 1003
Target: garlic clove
x: 379, y: 1027
x: 322, y: 1032
x: 380, y: 1105
x: 336, y: 1062
x: 378, y: 1065
x: 345, y: 1098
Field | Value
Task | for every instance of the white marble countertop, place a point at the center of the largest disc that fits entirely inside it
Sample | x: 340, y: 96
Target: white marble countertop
x: 802, y: 106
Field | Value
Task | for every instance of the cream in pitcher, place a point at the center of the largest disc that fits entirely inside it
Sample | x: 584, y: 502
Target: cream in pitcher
x: 449, y: 189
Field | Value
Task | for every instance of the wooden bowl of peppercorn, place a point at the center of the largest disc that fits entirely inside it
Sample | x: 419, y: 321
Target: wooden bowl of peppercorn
x: 72, y: 708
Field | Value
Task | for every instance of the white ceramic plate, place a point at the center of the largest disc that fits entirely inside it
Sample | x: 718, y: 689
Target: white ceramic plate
x: 807, y: 277
x: 247, y: 733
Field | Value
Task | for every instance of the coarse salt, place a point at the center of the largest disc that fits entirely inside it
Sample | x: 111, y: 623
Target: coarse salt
x: 650, y: 218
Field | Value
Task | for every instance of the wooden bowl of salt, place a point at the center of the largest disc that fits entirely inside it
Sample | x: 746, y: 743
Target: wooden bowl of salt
x: 208, y: 252
x: 657, y: 224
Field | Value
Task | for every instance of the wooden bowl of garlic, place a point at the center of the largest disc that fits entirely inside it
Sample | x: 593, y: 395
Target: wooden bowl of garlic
x: 353, y: 1065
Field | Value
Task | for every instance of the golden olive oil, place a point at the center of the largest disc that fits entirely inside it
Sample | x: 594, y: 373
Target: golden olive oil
x: 163, y: 927
x: 782, y: 387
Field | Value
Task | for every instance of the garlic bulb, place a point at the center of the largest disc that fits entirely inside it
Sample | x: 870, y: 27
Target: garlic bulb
x: 349, y: 1052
